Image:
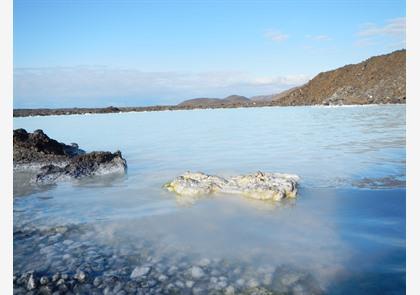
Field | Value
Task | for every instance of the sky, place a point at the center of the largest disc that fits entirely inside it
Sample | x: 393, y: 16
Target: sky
x: 93, y: 53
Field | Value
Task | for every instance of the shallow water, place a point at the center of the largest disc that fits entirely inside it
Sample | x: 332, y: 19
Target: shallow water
x: 346, y: 228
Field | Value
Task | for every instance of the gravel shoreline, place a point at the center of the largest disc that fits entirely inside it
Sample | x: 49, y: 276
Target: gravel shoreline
x: 67, y: 260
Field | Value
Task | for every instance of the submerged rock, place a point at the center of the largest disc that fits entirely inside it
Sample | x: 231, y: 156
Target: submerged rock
x: 260, y: 185
x: 31, y: 283
x: 57, y: 161
x: 196, y: 272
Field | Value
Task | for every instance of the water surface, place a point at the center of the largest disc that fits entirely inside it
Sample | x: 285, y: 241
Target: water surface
x: 346, y: 228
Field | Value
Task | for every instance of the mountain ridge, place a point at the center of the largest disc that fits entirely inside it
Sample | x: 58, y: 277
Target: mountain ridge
x: 378, y: 79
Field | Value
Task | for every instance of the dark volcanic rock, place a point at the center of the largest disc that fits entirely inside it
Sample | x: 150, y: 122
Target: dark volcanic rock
x: 94, y: 163
x: 57, y: 161
x: 33, y: 150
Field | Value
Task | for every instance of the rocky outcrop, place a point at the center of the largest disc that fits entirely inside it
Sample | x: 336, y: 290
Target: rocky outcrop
x: 55, y: 161
x: 94, y: 163
x: 34, y: 150
x: 260, y: 185
x: 377, y: 80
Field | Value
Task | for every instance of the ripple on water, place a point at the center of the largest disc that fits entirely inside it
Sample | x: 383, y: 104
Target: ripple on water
x: 334, y: 236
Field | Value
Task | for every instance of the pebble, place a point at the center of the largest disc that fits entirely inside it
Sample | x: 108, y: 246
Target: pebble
x: 80, y: 276
x: 252, y: 283
x: 215, y: 272
x: 230, y: 290
x: 67, y: 242
x: 55, y: 238
x: 170, y: 286
x: 55, y: 277
x: 139, y: 272
x: 197, y: 272
x: 118, y: 286
x: 204, y: 262
x: 44, y: 290
x: 162, y: 278
x: 198, y: 291
x: 62, y: 288
x: 97, y: 281
x: 61, y: 229
x: 189, y: 284
x: 172, y: 270
x: 240, y: 282
x: 152, y: 283
x: 179, y: 284
x: 44, y: 280
x: 66, y: 256
x: 222, y: 284
x: 31, y: 283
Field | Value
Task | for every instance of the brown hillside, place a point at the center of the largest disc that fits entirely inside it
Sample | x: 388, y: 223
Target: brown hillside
x: 379, y: 79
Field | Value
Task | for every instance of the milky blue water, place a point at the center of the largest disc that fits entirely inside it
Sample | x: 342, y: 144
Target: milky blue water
x: 347, y: 225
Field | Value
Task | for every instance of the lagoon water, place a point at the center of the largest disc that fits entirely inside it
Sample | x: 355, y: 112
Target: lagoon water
x: 346, y: 228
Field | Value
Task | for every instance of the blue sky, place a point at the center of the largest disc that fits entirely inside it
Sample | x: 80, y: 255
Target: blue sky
x: 138, y: 52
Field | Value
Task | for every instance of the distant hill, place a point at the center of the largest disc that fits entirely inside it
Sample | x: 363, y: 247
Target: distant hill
x: 379, y: 79
x: 214, y: 102
x: 236, y: 99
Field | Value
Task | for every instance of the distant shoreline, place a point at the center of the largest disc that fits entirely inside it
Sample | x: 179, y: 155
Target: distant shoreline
x: 377, y: 80
x: 114, y: 110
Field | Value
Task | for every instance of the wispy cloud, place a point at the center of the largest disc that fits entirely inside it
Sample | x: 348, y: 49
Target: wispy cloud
x: 102, y: 86
x: 392, y: 33
x: 319, y: 37
x: 286, y: 80
x: 276, y: 36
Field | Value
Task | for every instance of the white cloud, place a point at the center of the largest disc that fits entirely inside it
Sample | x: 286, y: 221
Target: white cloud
x: 392, y: 33
x: 276, y: 36
x: 393, y: 27
x: 287, y: 80
x: 103, y: 86
x: 319, y: 37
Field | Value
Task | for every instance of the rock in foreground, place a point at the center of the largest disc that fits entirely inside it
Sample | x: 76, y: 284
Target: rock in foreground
x: 260, y: 185
x: 94, y: 163
x: 56, y: 161
x: 34, y: 150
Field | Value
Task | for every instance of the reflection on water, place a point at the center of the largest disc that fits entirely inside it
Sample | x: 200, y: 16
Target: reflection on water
x: 334, y: 233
